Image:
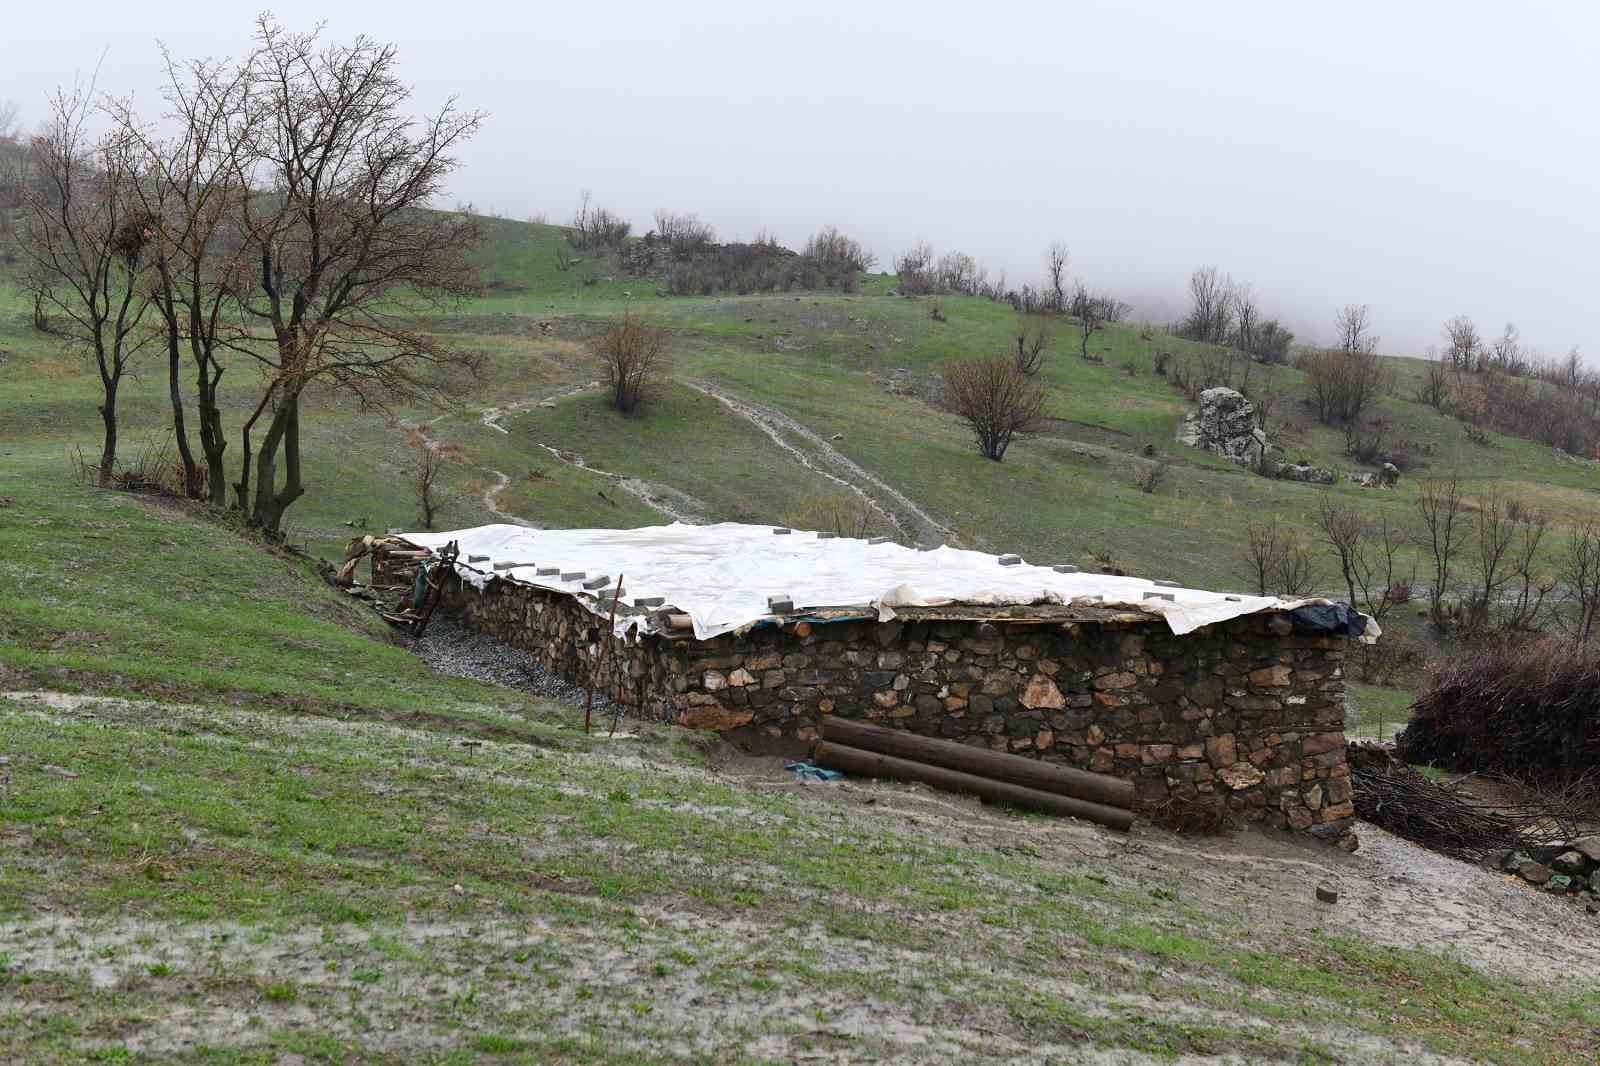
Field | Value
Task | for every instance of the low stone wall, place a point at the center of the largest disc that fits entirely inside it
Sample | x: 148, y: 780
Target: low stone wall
x: 1244, y: 718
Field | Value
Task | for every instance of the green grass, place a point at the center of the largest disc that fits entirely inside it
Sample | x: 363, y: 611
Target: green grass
x: 435, y: 857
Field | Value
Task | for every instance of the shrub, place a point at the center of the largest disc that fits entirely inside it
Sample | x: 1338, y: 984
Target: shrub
x: 996, y: 399
x: 597, y: 227
x: 1343, y: 382
x: 848, y: 514
x: 633, y: 351
x: 1529, y: 706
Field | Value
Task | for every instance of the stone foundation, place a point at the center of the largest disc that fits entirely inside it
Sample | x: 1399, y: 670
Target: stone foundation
x: 1244, y: 718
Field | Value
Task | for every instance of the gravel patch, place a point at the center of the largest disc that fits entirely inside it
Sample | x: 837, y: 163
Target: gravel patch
x: 453, y: 649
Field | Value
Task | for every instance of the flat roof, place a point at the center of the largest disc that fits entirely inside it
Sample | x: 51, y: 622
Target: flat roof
x: 728, y: 576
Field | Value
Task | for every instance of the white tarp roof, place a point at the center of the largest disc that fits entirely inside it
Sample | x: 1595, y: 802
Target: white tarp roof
x: 722, y: 575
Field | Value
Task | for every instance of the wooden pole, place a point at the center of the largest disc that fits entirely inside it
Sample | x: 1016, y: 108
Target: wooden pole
x: 605, y: 646
x: 1018, y: 770
x: 872, y: 764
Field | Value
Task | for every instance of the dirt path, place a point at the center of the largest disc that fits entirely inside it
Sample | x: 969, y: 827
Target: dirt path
x: 491, y: 501
x: 823, y: 458
x: 491, y: 416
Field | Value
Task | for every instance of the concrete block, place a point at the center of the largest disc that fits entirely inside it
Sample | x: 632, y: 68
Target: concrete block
x: 780, y: 604
x: 826, y: 536
x: 782, y: 531
x: 1065, y: 568
x: 878, y: 540
x: 477, y: 558
x: 1168, y: 584
x: 506, y: 564
x: 574, y: 575
x: 1010, y: 560
x: 649, y: 601
x: 596, y: 582
x: 548, y: 571
x: 1160, y: 596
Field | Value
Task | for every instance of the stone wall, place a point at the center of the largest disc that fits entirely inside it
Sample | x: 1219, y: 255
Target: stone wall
x: 1244, y: 718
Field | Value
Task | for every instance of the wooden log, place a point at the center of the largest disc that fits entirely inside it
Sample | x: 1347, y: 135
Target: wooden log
x: 1018, y: 770
x: 875, y: 764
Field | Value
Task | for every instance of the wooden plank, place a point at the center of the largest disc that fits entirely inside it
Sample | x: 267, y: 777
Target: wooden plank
x: 1016, y: 769
x: 873, y: 764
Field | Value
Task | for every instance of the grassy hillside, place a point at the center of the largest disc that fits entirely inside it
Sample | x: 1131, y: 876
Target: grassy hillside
x: 774, y: 399
x: 239, y: 824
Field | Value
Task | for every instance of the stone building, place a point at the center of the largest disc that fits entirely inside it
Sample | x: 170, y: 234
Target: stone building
x: 1211, y: 704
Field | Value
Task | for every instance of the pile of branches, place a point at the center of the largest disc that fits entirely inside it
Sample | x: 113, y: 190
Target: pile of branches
x: 1519, y: 706
x: 1444, y: 818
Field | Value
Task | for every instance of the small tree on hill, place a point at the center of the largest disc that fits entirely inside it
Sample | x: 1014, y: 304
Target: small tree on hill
x: 1033, y: 336
x: 996, y: 399
x: 633, y: 351
x: 428, y: 461
x: 84, y: 248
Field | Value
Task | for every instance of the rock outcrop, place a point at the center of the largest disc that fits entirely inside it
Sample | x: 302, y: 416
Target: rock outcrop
x: 1225, y: 423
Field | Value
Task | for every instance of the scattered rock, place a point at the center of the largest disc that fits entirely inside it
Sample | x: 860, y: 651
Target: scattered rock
x: 59, y: 771
x: 1535, y: 873
x: 1588, y: 847
x: 1326, y: 894
x: 1570, y: 862
x: 1559, y: 883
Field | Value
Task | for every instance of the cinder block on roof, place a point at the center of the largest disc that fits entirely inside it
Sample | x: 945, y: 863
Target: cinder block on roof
x: 597, y: 582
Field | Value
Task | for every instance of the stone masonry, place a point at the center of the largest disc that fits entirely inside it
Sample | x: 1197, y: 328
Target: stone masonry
x: 1244, y: 718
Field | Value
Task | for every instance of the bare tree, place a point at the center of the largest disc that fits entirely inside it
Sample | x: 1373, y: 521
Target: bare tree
x: 1353, y: 324
x: 915, y: 269
x: 1246, y: 318
x: 429, y: 459
x: 345, y: 253
x: 193, y: 191
x: 1440, y: 504
x: 1435, y: 388
x: 1505, y: 354
x: 996, y: 399
x: 1368, y: 553
x: 1580, y: 574
x: 1344, y: 382
x: 1210, y: 307
x: 1056, y: 273
x: 1463, y: 345
x: 10, y: 121
x: 633, y: 351
x: 1279, y: 560
x: 1033, y: 336
x: 85, y: 246
x: 1093, y: 310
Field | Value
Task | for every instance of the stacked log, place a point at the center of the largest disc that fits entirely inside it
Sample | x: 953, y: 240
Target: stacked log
x: 867, y: 750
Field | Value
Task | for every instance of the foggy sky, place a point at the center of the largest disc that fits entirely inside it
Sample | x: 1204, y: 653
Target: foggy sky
x: 1429, y: 159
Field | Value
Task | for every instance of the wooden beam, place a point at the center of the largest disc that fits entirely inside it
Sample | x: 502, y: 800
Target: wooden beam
x: 1017, y: 769
x: 872, y: 764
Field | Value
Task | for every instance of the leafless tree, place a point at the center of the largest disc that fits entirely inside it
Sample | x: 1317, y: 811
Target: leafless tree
x: 85, y: 246
x: 597, y: 227
x: 10, y: 121
x: 1056, y: 273
x: 1440, y: 504
x: 1093, y: 310
x: 633, y: 351
x: 1344, y: 382
x: 1505, y: 354
x: 1279, y: 560
x: 1435, y: 388
x: 429, y: 459
x: 685, y: 234
x: 1246, y: 318
x: 996, y: 399
x: 915, y: 269
x: 346, y: 254
x: 1033, y: 336
x: 1210, y: 307
x: 193, y: 192
x: 1353, y: 324
x: 1580, y: 575
x: 1463, y: 345
x: 1368, y: 554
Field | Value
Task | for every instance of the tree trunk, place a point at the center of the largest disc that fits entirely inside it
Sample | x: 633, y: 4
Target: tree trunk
x: 212, y: 442
x: 191, y: 474
x: 108, y: 449
x: 283, y: 434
